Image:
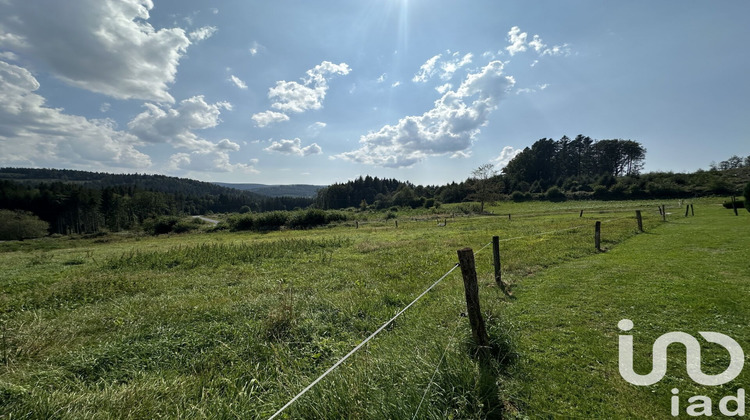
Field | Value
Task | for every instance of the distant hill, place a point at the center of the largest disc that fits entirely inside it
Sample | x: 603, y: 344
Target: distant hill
x: 294, y: 190
x: 100, y: 180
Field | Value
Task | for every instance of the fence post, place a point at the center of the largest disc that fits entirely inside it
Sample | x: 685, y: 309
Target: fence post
x: 687, y: 209
x: 357, y: 224
x: 664, y: 212
x: 639, y: 218
x: 496, y: 261
x: 734, y: 206
x: 396, y: 223
x: 598, y: 235
x: 469, y: 273
x: 692, y: 210
x: 581, y: 215
x: 508, y: 216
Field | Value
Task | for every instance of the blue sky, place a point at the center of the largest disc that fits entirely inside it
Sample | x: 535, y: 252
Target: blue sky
x: 319, y: 92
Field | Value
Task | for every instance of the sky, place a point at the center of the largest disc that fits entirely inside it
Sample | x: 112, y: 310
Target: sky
x: 317, y: 92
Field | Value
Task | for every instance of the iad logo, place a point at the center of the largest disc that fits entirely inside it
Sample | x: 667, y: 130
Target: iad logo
x: 702, y: 405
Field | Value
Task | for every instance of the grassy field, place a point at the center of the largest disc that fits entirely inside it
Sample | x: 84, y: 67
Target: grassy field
x: 233, y: 325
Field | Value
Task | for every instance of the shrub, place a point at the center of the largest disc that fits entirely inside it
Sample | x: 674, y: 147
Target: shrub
x: 160, y: 225
x: 17, y: 225
x: 518, y: 196
x: 600, y: 192
x: 554, y: 194
x: 244, y: 209
x: 307, y: 219
x: 271, y: 221
x: 244, y: 222
x: 428, y: 203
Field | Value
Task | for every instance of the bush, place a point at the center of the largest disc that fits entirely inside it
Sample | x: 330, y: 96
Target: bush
x: 244, y: 209
x: 429, y: 203
x: 600, y: 192
x: 271, y: 221
x: 554, y: 194
x: 160, y: 225
x: 244, y: 222
x: 17, y: 225
x: 518, y: 196
x: 308, y: 219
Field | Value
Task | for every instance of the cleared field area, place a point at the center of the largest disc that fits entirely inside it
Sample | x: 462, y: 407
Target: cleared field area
x: 226, y: 325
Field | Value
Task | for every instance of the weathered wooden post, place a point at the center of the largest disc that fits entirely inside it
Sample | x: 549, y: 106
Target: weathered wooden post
x: 639, y: 218
x: 734, y: 206
x: 692, y: 210
x: 357, y: 224
x: 660, y: 212
x: 581, y: 215
x: 598, y: 235
x: 664, y: 212
x: 687, y: 209
x: 508, y: 216
x: 469, y: 273
x: 397, y: 224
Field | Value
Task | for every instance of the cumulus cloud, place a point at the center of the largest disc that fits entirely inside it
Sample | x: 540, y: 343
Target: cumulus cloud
x: 294, y: 147
x: 211, y: 159
x: 265, y: 118
x: 300, y: 97
x: 109, y: 47
x: 449, y: 128
x: 441, y: 66
x: 517, y: 41
x: 202, y: 33
x: 238, y: 82
x: 32, y: 134
x: 163, y: 124
x: 506, y: 155
x: 426, y: 70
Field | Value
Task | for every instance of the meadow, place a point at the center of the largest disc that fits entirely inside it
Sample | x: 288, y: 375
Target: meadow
x: 235, y: 324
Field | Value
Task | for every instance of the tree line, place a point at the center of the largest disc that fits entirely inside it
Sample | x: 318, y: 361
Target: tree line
x: 76, y: 208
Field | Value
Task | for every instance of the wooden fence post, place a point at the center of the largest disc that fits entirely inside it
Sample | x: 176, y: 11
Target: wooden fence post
x: 469, y: 273
x: 692, y: 210
x: 687, y: 209
x: 660, y: 212
x: 639, y: 218
x: 508, y: 216
x: 396, y: 223
x: 734, y: 206
x: 598, y: 235
x: 581, y: 215
x: 496, y: 261
x: 664, y: 212
x: 357, y: 224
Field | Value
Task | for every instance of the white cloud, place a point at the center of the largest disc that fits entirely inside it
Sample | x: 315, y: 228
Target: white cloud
x: 517, y: 41
x: 104, y: 107
x: 203, y: 33
x: 214, y: 10
x: 518, y: 44
x: 265, y: 118
x: 314, y: 129
x: 442, y: 89
x: 448, y: 128
x: 32, y: 134
x: 506, y: 155
x: 396, y: 84
x: 238, y: 82
x: 426, y: 70
x: 109, y: 47
x: 382, y: 78
x: 300, y: 97
x: 211, y: 159
x: 8, y: 56
x: 444, y: 68
x: 161, y: 124
x: 293, y: 147
x: 256, y: 48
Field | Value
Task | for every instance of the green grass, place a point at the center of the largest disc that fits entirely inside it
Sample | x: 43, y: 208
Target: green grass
x: 228, y: 325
